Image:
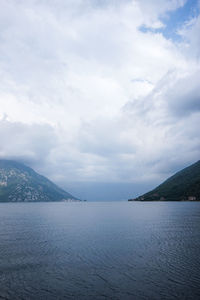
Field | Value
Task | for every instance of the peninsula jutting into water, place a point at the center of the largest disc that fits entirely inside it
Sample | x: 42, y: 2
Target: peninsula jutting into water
x: 183, y: 186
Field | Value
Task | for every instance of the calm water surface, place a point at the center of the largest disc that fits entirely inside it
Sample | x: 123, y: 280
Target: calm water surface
x: 100, y: 250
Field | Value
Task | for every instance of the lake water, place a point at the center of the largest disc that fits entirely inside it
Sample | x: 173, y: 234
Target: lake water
x: 100, y: 250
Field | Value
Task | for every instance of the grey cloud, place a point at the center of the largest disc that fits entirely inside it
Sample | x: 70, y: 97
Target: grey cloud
x: 174, y: 96
x: 169, y: 116
x: 104, y: 137
x: 183, y: 97
x: 30, y: 144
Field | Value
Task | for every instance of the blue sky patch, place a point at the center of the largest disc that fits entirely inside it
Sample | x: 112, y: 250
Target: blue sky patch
x: 174, y: 20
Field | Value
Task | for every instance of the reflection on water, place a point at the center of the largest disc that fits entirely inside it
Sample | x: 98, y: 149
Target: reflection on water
x: 100, y: 250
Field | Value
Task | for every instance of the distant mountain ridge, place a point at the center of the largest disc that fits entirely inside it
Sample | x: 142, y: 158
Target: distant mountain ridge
x: 184, y: 185
x: 19, y: 183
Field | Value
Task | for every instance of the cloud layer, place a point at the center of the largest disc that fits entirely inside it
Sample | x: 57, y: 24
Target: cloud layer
x: 86, y: 95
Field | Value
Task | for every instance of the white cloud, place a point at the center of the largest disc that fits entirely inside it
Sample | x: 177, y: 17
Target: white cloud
x: 90, y: 97
x: 191, y: 38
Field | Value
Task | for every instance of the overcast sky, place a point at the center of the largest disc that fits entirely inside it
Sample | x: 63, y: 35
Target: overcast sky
x: 100, y: 95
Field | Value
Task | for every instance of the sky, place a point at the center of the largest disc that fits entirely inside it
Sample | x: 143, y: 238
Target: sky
x: 102, y: 97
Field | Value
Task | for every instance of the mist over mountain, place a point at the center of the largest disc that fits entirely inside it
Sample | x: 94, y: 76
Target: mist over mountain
x: 19, y: 183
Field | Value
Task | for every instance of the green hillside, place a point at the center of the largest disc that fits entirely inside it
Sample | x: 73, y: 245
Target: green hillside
x: 19, y: 183
x: 184, y: 185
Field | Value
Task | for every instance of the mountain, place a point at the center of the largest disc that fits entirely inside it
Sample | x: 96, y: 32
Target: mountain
x: 19, y: 183
x: 184, y: 185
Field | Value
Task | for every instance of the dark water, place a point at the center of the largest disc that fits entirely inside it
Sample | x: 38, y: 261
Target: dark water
x: 100, y: 251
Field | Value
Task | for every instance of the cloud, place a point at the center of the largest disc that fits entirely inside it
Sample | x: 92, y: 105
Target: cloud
x: 90, y: 97
x: 184, y: 96
x: 30, y: 144
x: 190, y: 35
